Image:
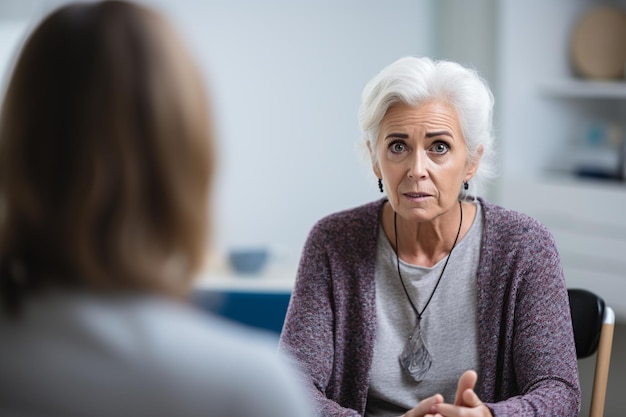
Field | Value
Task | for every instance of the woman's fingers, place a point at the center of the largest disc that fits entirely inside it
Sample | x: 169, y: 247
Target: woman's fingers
x: 466, y: 402
x: 472, y: 406
x: 470, y: 399
x: 425, y: 407
x: 466, y: 381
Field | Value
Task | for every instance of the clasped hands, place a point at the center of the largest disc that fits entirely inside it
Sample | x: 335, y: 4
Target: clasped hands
x: 466, y: 402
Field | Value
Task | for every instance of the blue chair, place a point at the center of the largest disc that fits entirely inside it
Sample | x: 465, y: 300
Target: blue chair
x: 262, y: 310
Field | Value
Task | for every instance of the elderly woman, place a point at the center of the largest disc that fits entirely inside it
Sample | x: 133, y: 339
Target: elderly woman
x: 106, y: 162
x: 432, y: 300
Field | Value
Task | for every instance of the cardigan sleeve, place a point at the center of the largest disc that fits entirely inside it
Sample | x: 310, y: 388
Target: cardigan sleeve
x: 308, y: 332
x: 539, y: 363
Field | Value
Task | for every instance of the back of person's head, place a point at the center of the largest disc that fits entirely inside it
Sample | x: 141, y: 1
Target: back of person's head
x: 414, y: 81
x: 106, y: 156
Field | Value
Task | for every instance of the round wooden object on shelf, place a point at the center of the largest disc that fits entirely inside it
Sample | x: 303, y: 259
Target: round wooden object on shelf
x: 598, y: 43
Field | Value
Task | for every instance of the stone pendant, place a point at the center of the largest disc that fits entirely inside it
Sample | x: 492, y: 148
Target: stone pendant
x: 415, y: 358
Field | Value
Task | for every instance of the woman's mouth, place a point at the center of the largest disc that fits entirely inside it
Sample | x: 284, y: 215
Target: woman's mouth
x: 416, y: 195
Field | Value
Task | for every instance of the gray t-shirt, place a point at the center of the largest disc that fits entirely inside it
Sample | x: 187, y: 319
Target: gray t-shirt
x: 449, y: 326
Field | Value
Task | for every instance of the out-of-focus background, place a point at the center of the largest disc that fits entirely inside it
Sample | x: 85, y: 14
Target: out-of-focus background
x: 285, y: 77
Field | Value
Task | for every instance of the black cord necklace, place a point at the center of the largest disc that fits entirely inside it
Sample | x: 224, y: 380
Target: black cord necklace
x: 415, y: 358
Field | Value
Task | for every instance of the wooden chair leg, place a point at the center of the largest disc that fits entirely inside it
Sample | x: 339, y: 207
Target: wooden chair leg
x: 600, y: 380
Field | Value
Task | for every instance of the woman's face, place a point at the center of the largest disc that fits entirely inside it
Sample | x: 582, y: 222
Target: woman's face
x: 422, y: 159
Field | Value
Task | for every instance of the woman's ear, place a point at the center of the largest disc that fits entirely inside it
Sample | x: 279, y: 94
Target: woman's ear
x: 376, y: 170
x: 473, y: 165
x: 375, y: 166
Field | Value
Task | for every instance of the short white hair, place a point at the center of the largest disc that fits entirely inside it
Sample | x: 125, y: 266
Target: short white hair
x: 413, y: 81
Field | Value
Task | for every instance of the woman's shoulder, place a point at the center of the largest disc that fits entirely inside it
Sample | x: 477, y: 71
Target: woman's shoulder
x: 360, y: 218
x: 509, y: 224
x: 195, y: 350
x: 173, y: 326
x: 166, y: 349
x: 507, y: 218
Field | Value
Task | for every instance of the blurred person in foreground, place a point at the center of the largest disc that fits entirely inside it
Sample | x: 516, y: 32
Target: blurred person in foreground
x: 106, y: 160
x: 431, y: 300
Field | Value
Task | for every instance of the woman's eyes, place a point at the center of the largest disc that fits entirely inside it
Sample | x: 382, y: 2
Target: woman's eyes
x: 440, y: 147
x: 397, y: 146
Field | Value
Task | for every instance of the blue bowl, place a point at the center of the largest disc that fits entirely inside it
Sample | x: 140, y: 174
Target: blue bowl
x: 248, y: 261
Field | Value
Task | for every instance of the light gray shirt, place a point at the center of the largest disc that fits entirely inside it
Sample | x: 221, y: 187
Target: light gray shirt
x: 103, y: 356
x: 449, y: 324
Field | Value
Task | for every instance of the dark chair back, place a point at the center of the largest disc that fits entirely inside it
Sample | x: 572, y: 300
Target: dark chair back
x: 593, y: 323
x: 587, y: 315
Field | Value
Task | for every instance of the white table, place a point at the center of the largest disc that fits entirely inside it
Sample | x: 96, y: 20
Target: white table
x: 275, y: 278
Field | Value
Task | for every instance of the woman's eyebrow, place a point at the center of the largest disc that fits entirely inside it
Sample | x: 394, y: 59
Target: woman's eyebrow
x: 439, y: 133
x: 397, y: 136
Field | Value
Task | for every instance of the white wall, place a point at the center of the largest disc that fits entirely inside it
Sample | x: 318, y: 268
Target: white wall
x: 465, y: 32
x: 286, y: 77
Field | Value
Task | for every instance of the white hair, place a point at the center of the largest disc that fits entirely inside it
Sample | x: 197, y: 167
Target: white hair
x: 414, y: 81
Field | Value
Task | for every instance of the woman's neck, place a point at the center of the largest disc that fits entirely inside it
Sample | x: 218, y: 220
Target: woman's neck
x: 426, y: 243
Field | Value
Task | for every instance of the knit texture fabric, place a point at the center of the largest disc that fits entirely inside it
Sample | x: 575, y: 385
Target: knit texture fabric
x: 526, y: 345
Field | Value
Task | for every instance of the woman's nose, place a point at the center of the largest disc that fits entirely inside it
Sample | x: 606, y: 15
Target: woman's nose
x: 417, y: 166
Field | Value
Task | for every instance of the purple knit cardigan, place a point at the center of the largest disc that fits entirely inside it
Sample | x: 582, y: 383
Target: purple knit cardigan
x: 527, y: 355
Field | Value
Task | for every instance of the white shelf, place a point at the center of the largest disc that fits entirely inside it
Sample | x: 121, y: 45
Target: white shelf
x: 592, y: 89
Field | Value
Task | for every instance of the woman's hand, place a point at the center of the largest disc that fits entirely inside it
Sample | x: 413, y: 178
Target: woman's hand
x: 466, y: 402
x: 425, y: 408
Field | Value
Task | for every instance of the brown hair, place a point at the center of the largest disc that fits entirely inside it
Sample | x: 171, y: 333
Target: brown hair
x: 106, y: 156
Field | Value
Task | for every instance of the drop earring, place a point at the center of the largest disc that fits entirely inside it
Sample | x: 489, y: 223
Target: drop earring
x: 465, y: 185
x: 380, y: 184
